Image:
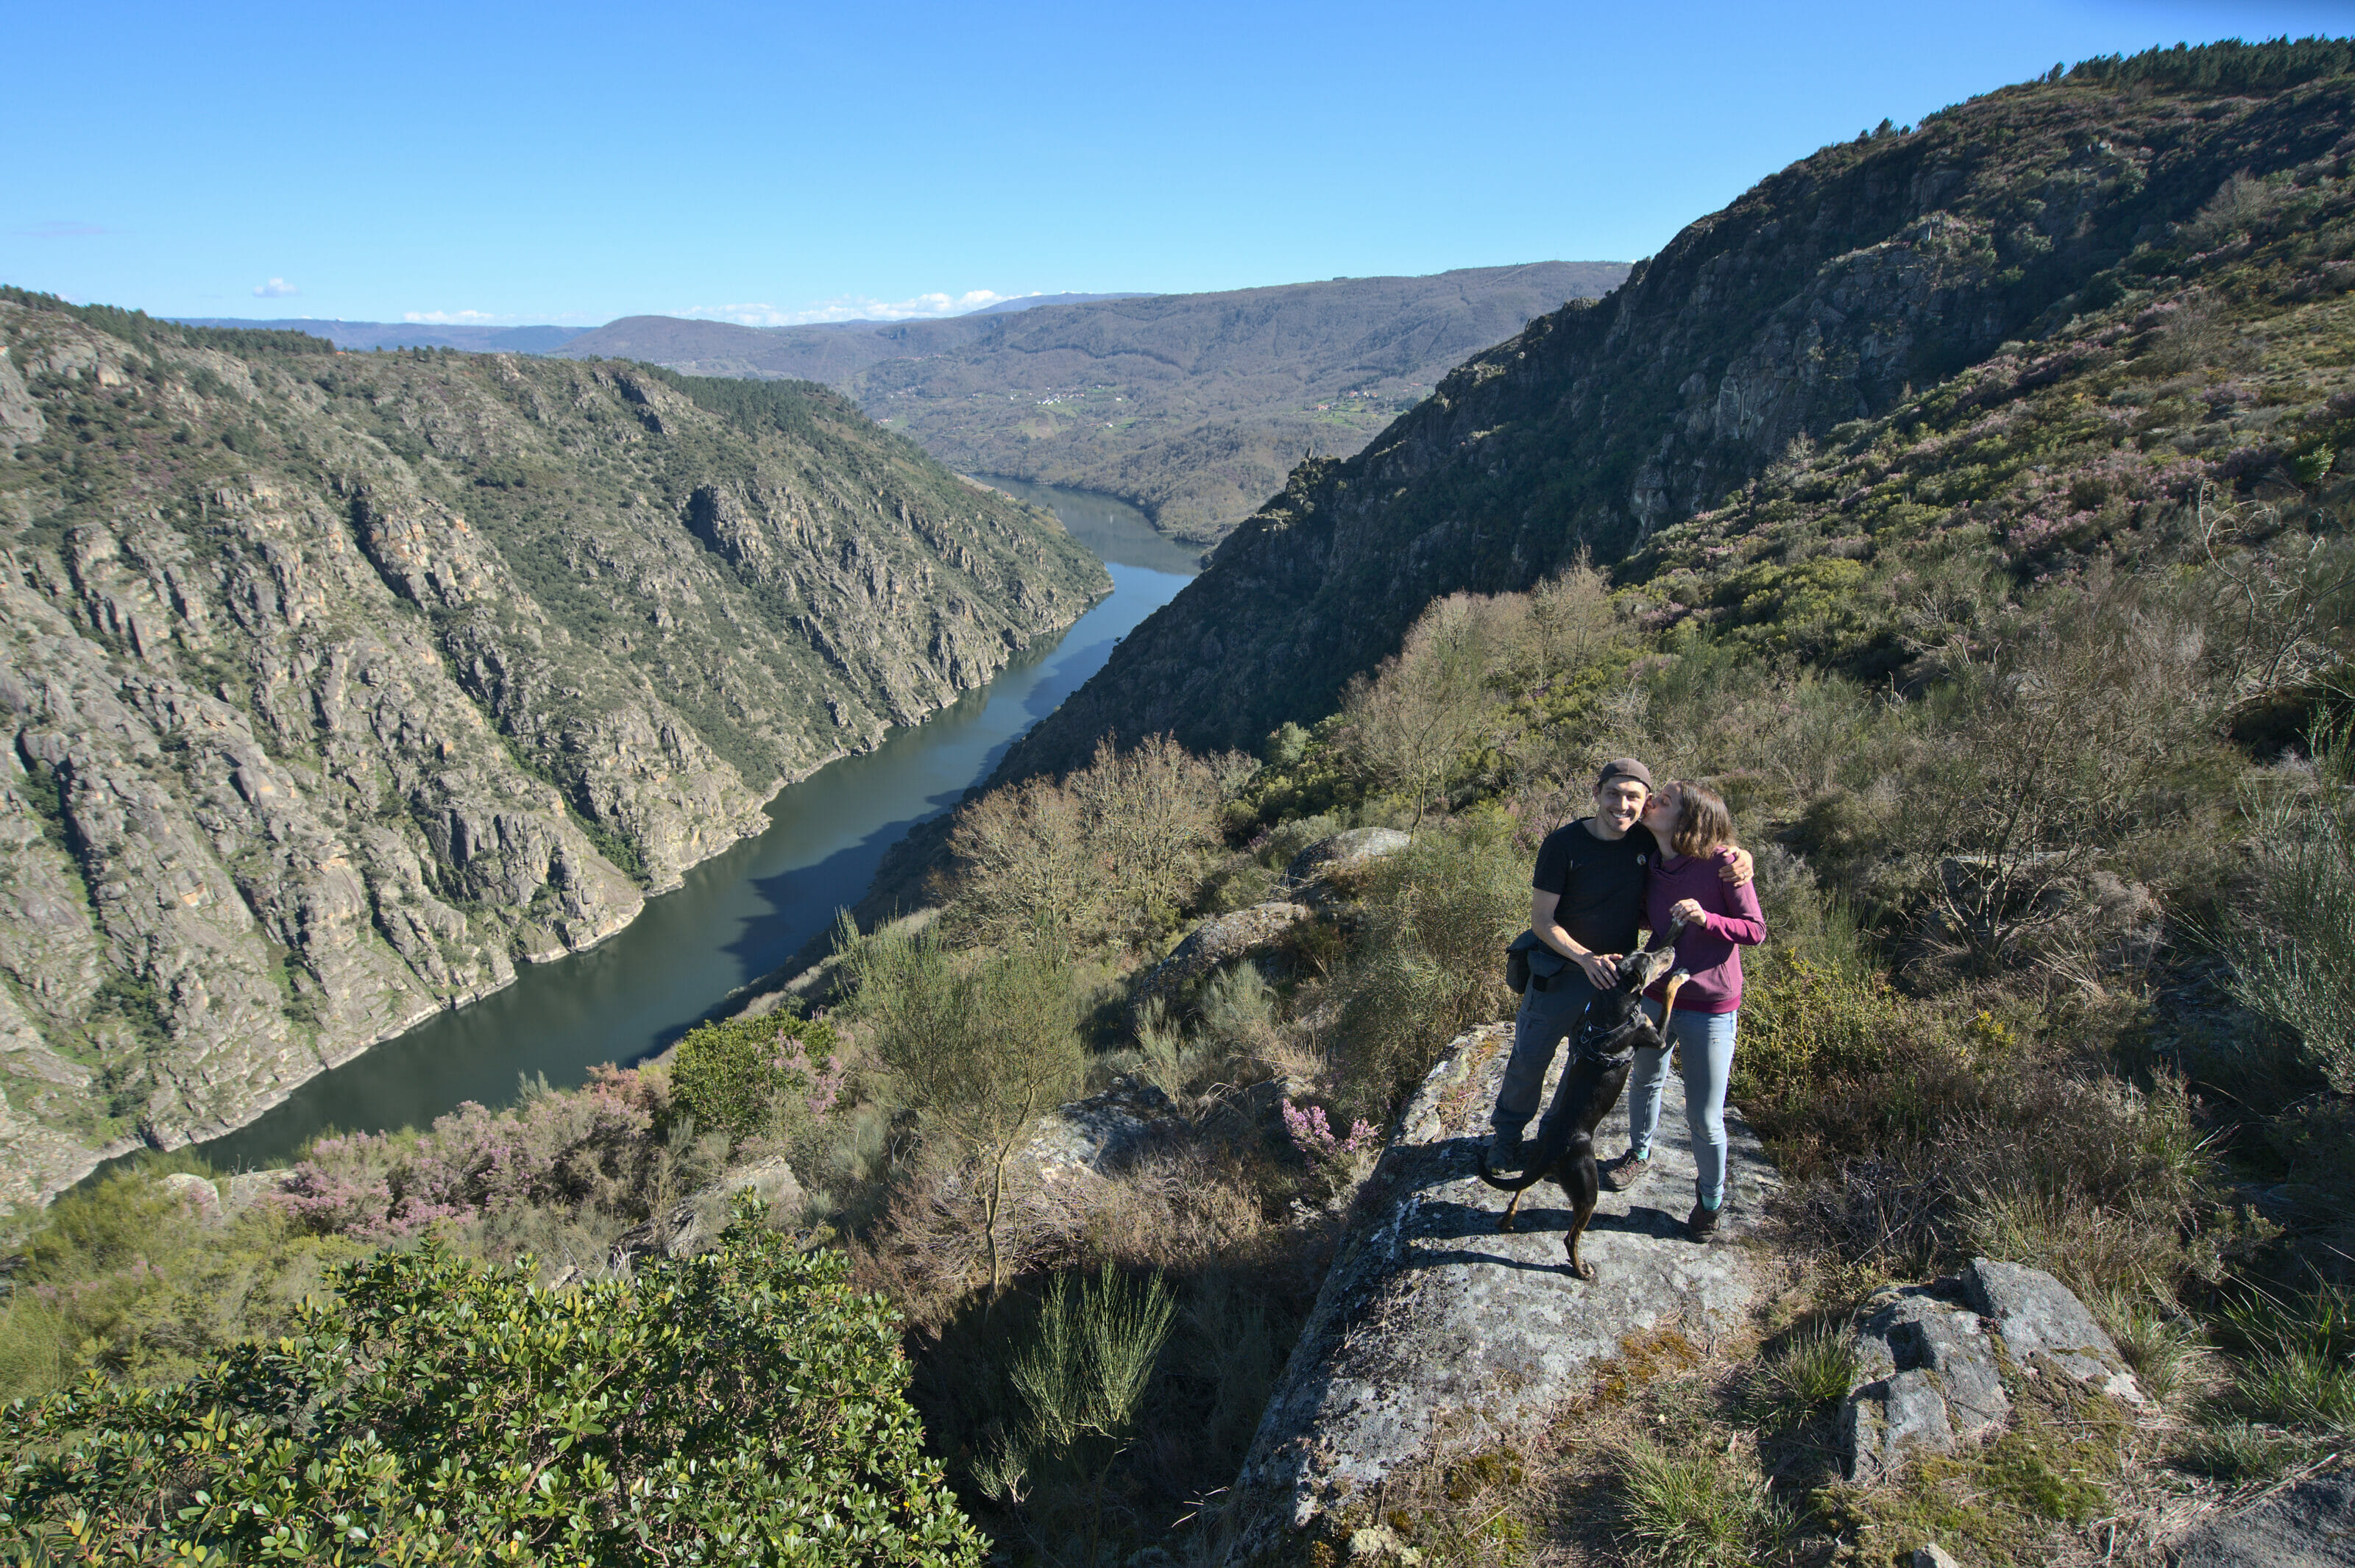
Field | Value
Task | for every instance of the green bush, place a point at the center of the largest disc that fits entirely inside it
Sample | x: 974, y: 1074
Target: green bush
x: 744, y: 1403
x: 1810, y: 1023
x: 729, y: 1076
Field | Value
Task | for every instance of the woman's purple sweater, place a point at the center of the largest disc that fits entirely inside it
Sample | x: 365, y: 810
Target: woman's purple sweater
x: 1712, y: 949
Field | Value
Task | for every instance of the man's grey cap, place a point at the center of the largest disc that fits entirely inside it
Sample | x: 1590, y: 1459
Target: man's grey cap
x: 1625, y: 768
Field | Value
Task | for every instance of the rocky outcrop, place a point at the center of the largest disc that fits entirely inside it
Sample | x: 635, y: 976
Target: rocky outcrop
x: 1822, y: 295
x: 1931, y: 1363
x: 1927, y: 1382
x: 1435, y: 1332
x: 335, y: 686
x: 2308, y: 1525
x: 1100, y: 1133
x: 1343, y: 852
x: 1217, y: 941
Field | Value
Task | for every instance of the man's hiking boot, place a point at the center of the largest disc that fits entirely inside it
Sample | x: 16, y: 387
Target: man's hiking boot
x: 1623, y: 1173
x: 1505, y: 1149
x: 1701, y: 1223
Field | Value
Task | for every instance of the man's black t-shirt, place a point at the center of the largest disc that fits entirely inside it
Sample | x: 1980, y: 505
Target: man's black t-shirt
x: 1600, y: 882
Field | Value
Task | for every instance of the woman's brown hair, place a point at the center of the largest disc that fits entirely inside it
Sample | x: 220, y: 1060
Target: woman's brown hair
x: 1702, y: 822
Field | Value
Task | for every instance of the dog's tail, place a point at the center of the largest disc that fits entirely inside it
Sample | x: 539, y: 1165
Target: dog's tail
x: 1553, y: 1141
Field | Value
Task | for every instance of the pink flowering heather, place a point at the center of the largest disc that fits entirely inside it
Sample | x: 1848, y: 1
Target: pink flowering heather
x: 575, y: 1150
x: 823, y: 1084
x: 1312, y: 1134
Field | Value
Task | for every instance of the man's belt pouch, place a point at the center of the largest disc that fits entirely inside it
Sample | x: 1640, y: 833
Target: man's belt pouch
x: 1530, y: 965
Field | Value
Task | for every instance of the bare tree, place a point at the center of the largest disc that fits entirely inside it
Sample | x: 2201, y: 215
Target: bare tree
x: 1148, y: 813
x: 1570, y: 621
x: 1414, y: 726
x: 1024, y: 871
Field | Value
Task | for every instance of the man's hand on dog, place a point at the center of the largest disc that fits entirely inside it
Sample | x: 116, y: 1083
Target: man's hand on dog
x: 1602, y: 969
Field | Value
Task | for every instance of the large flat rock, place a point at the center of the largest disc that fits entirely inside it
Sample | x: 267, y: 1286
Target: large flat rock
x: 1436, y: 1333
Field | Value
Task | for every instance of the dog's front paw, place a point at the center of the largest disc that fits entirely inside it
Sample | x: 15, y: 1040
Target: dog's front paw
x: 1581, y: 1269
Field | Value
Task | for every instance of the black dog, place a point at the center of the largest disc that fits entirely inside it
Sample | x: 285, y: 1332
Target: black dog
x: 1610, y: 1032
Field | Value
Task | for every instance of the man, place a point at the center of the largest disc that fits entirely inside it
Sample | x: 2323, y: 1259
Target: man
x: 1586, y: 904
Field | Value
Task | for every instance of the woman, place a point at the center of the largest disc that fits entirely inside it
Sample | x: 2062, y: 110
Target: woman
x: 1719, y: 919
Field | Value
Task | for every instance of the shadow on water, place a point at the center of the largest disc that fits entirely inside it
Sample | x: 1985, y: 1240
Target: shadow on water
x: 744, y: 911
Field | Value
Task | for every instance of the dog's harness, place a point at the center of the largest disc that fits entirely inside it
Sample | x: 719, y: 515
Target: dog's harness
x: 1608, y: 1047
x: 1612, y: 1046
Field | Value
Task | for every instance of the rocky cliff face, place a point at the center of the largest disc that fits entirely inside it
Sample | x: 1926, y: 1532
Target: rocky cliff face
x: 338, y: 684
x: 1825, y: 294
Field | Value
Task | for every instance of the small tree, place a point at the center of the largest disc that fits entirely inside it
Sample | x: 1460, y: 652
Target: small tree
x: 978, y: 1047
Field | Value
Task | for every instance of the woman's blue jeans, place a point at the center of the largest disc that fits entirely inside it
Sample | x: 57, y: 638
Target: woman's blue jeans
x: 1706, y: 1041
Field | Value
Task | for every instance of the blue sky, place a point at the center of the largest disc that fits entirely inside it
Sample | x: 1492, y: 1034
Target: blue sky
x: 773, y: 163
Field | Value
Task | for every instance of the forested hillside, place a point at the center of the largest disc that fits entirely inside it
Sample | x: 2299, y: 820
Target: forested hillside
x: 2191, y: 211
x: 1192, y: 405
x: 337, y: 685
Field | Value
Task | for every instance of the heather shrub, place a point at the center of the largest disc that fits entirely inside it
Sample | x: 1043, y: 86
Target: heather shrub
x: 589, y: 1151
x: 440, y: 1411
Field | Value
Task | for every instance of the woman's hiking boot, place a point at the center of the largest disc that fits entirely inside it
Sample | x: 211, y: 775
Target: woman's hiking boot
x: 1625, y: 1173
x: 1701, y: 1223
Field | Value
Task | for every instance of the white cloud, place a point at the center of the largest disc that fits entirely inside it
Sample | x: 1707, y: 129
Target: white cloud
x: 851, y: 307
x: 276, y: 289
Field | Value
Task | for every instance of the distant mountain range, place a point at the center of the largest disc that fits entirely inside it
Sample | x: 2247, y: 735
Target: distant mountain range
x: 1193, y: 406
x: 535, y: 339
x: 408, y: 334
